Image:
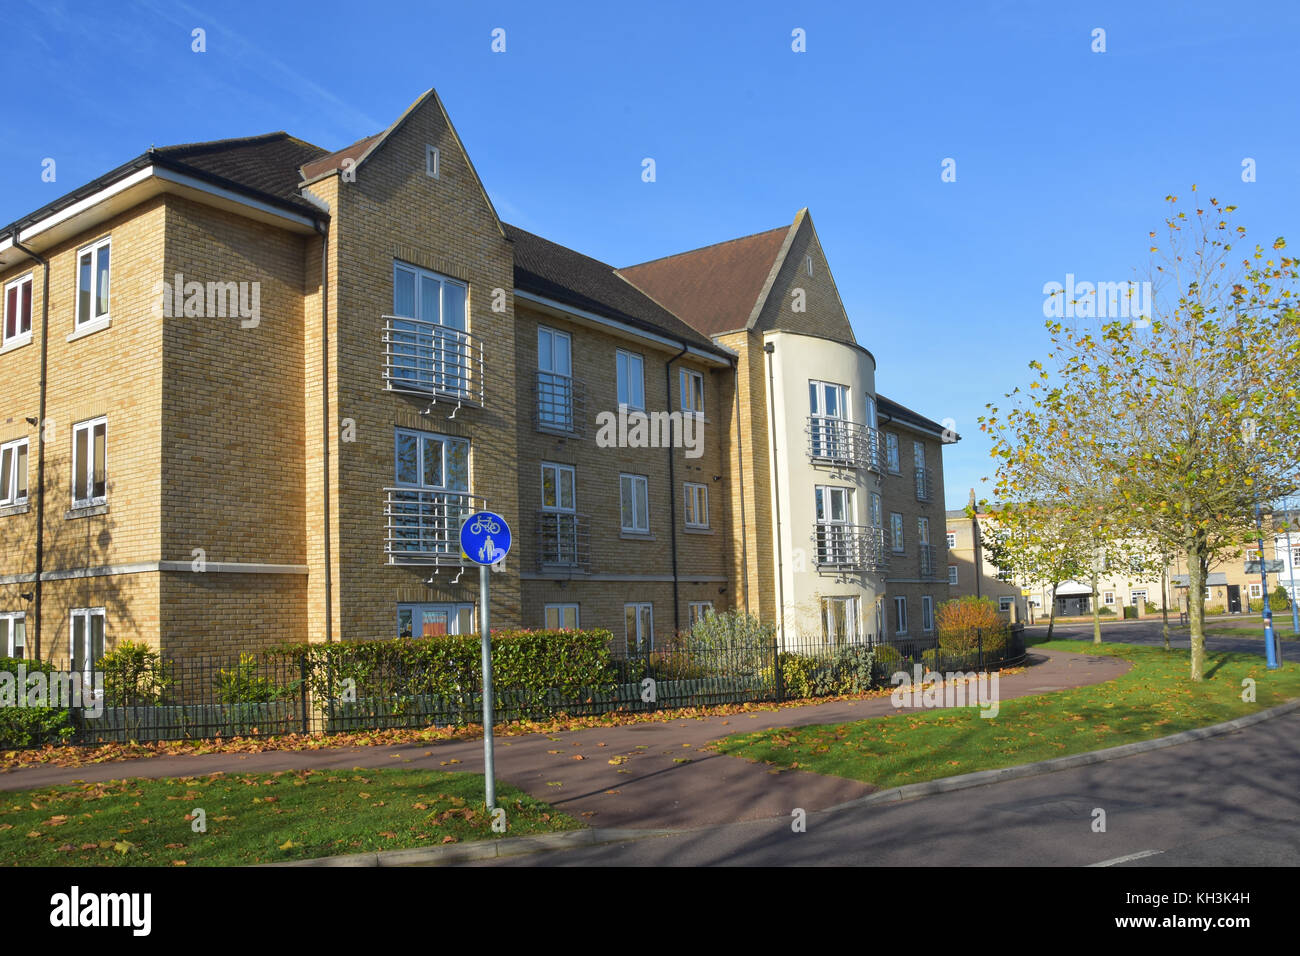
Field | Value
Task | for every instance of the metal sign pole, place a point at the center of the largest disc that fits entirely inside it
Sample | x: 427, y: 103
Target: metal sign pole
x: 489, y: 769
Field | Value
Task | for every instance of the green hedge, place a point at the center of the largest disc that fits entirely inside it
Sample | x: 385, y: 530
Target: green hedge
x: 30, y: 726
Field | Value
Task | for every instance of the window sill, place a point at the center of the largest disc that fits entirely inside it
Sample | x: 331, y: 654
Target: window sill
x: 85, y: 511
x: 689, y: 530
x: 19, y: 509
x: 90, y: 328
x: 636, y: 535
x: 15, y: 343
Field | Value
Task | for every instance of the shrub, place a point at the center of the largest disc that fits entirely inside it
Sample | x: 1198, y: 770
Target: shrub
x: 1216, y: 608
x: 852, y: 669
x: 133, y: 674
x: 22, y: 726
x: 968, y: 614
x: 731, y: 643
x: 242, y: 685
x: 1106, y: 611
x: 967, y: 627
x: 1280, y: 598
x: 1130, y: 613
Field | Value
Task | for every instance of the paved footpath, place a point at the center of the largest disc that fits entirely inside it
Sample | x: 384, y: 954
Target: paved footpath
x: 665, y: 779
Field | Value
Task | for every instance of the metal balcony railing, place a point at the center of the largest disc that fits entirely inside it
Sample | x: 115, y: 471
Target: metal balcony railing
x: 849, y: 547
x: 929, y: 568
x: 423, y: 527
x: 424, y: 358
x: 838, y: 441
x: 924, y: 484
x: 560, y: 404
x: 563, y: 541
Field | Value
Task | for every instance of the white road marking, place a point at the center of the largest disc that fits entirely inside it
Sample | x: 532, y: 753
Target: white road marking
x: 1125, y: 859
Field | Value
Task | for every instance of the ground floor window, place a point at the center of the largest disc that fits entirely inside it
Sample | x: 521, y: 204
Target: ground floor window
x: 434, y: 620
x: 840, y: 621
x: 639, y: 619
x: 900, y: 616
x: 1004, y: 604
x: 1108, y: 597
x: 1135, y: 596
x: 927, y: 613
x: 87, y: 639
x: 13, y: 633
x: 560, y: 616
x: 1256, y: 590
x: 699, y: 610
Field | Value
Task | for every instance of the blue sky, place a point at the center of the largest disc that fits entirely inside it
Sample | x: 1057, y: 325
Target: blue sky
x: 1063, y: 156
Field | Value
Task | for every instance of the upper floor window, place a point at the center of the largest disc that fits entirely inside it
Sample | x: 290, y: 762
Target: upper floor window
x: 429, y: 348
x: 557, y: 487
x: 92, y: 283
x: 634, y: 503
x: 631, y: 380
x: 951, y: 539
x: 697, y: 505
x: 698, y: 611
x: 17, y: 325
x: 89, y: 453
x: 952, y: 574
x: 13, y: 633
x: 896, y: 530
x: 13, y: 472
x: 876, y: 521
x: 560, y: 616
x: 891, y: 452
x: 555, y: 379
x: 431, y: 161
x: 692, y: 389
x: 426, y: 460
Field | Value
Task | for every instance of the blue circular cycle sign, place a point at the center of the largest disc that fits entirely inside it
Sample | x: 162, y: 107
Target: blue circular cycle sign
x: 485, y: 537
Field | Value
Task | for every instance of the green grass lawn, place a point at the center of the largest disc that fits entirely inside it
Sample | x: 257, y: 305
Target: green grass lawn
x: 1255, y: 628
x: 1154, y: 699
x: 257, y: 818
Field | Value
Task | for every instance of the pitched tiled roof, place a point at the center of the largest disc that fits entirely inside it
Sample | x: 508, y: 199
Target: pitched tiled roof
x: 265, y: 164
x: 548, y: 269
x: 905, y: 416
x: 714, y: 288
x: 327, y: 163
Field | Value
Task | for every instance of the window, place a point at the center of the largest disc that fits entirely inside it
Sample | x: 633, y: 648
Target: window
x: 87, y: 643
x: 840, y: 621
x: 13, y: 633
x: 923, y: 530
x: 834, y: 512
x: 927, y: 613
x: 1295, y: 555
x: 808, y: 264
x: 92, y: 283
x: 558, y: 522
x: 1256, y: 590
x: 639, y: 621
x: 554, y: 379
x: 434, y: 620
x: 951, y: 539
x: 922, y: 476
x: 876, y: 521
x: 431, y: 157
x: 1108, y: 597
x: 17, y: 325
x: 1005, y: 602
x: 900, y: 616
x: 952, y: 574
x: 698, y: 611
x: 428, y: 347
x: 561, y: 616
x: 828, y: 408
x: 634, y: 503
x: 431, y: 499
x: 692, y: 391
x: 1141, y: 594
x: 891, y: 453
x: 13, y: 472
x: 896, y: 531
x: 697, y: 505
x: 89, y: 484
x: 631, y: 380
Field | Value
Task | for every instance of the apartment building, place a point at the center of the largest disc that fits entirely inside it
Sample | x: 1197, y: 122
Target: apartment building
x: 253, y: 386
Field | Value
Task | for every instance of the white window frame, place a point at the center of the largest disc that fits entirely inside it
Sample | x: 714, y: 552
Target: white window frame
x: 900, y: 615
x: 697, y: 502
x: 897, y: 543
x: 644, y: 639
x: 432, y: 159
x: 852, y: 621
x: 95, y: 249
x: 560, y: 471
x: 443, y: 441
x: 635, y: 482
x: 1005, y: 603
x: 877, y: 516
x: 697, y: 611
x: 691, y: 390
x: 1256, y: 590
x: 630, y: 388
x: 9, y: 472
x: 89, y: 426
x: 1108, y: 598
x: 561, y: 611
x: 19, y: 337
x: 923, y: 530
x: 555, y: 400
x: 460, y: 609
x: 950, y: 539
x: 927, y: 614
x: 8, y: 628
x: 892, y: 462
x: 952, y: 575
x: 88, y: 614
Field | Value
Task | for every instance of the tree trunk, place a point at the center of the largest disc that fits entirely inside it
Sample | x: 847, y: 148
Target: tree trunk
x: 1196, y: 567
x: 1051, y: 618
x: 1164, y: 604
x: 1096, y: 612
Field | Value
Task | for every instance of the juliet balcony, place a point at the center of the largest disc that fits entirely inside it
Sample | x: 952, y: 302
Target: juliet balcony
x: 838, y: 441
x: 560, y: 404
x: 563, y: 541
x: 924, y: 484
x: 437, y: 361
x: 423, y: 527
x: 849, y: 547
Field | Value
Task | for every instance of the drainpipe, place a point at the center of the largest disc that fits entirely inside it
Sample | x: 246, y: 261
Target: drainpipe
x: 672, y: 492
x: 769, y: 348
x: 40, y: 438
x: 740, y: 474
x: 327, y: 429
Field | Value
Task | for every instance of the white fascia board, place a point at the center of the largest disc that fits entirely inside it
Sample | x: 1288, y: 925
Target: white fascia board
x: 622, y: 327
x: 77, y: 208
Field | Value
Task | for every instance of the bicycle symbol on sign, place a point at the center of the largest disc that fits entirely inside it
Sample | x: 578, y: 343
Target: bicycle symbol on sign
x: 482, y: 523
